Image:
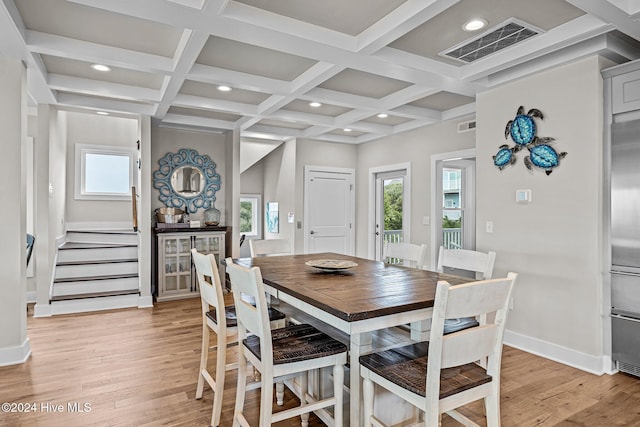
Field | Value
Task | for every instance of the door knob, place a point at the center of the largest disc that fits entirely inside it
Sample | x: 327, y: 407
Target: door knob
x: 312, y: 232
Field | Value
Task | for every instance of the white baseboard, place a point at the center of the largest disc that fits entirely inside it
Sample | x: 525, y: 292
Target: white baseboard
x: 31, y: 296
x: 593, y: 364
x: 42, y: 310
x: 16, y: 354
x: 145, y: 301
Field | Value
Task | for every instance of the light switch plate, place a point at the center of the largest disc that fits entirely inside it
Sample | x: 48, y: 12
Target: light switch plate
x: 523, y: 196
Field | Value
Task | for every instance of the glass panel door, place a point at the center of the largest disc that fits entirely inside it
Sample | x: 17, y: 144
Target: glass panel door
x: 452, y: 208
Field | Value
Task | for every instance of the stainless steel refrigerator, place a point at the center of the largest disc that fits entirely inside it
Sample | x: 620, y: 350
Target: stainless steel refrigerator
x: 625, y: 245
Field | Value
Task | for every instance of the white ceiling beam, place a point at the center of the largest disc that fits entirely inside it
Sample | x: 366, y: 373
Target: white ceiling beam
x: 282, y: 132
x: 93, y: 103
x: 50, y: 44
x: 406, y: 95
x: 189, y: 49
x: 343, y: 99
x: 458, y: 112
x: 610, y: 13
x: 215, y: 75
x: 298, y: 117
x: 100, y: 88
x: 400, y: 21
x: 202, y: 103
x: 417, y: 113
x: 198, y: 121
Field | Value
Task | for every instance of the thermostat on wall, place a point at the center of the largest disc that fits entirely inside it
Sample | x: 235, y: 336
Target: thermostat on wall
x: 523, y: 196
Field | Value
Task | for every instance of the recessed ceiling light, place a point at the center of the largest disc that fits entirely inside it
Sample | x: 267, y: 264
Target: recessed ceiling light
x: 102, y: 113
x: 383, y: 115
x: 475, y: 24
x: 347, y: 129
x: 224, y: 88
x: 315, y: 104
x: 100, y: 67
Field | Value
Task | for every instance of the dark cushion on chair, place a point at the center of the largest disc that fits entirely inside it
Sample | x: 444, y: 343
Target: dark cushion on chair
x: 232, y: 318
x: 297, y: 342
x: 455, y: 325
x: 407, y: 367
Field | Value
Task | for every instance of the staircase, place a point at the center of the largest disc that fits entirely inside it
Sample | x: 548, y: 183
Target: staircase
x: 96, y: 270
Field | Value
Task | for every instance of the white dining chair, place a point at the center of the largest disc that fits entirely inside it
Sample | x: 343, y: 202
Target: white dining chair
x: 410, y: 254
x: 441, y: 375
x: 280, y: 353
x: 478, y: 264
x: 222, y: 321
x: 269, y: 247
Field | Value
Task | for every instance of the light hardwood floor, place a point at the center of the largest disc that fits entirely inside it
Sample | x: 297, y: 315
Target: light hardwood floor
x: 138, y: 367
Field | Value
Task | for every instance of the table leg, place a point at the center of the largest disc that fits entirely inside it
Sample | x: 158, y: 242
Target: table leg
x: 360, y: 344
x: 420, y: 330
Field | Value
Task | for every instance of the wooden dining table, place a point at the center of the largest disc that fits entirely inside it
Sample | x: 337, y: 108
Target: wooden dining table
x: 359, y: 300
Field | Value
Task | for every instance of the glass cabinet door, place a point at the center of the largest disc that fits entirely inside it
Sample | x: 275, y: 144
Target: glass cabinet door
x: 177, y: 264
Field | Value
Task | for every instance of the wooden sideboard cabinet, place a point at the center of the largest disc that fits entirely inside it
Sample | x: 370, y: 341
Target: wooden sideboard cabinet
x: 175, y: 276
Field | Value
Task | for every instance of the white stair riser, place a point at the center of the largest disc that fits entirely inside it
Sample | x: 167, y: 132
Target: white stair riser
x: 95, y: 286
x: 94, y: 304
x: 68, y: 271
x: 68, y: 255
x: 73, y: 236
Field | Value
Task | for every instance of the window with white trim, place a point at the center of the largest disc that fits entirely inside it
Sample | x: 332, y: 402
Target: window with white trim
x: 104, y: 172
x: 250, y: 206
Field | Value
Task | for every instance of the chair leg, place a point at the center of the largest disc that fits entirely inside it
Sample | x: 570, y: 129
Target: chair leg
x: 204, y: 357
x: 367, y: 397
x: 241, y: 389
x: 280, y: 393
x: 492, y: 407
x: 304, y: 389
x: 338, y: 382
x: 266, y: 400
x: 221, y: 362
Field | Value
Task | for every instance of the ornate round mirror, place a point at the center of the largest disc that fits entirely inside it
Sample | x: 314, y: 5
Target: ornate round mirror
x: 186, y: 180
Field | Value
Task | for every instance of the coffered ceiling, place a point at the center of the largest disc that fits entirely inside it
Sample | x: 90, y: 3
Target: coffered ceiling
x: 357, y: 58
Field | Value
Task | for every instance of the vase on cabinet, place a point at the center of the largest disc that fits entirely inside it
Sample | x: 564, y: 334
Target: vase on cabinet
x: 212, y: 216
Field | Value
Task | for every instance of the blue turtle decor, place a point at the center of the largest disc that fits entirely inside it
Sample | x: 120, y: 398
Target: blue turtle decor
x: 522, y: 130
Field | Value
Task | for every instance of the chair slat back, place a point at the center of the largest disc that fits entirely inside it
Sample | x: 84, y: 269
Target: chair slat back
x: 469, y: 300
x: 209, y: 283
x: 269, y: 247
x: 246, y: 284
x: 410, y: 252
x: 479, y: 262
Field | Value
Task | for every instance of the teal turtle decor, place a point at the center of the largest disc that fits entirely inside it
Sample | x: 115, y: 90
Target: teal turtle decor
x: 522, y: 130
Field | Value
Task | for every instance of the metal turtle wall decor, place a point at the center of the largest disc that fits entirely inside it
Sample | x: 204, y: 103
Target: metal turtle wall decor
x: 523, y: 132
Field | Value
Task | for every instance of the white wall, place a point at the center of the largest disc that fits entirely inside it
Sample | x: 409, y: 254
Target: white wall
x: 279, y: 167
x: 415, y: 147
x: 96, y: 130
x: 554, y: 243
x: 57, y: 172
x: 167, y: 140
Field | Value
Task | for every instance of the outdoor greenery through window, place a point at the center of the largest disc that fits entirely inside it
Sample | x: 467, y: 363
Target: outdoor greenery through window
x: 249, y: 215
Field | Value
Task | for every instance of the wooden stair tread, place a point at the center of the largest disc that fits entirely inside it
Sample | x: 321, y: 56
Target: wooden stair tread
x: 94, y: 295
x: 91, y: 278
x: 96, y: 262
x: 103, y: 231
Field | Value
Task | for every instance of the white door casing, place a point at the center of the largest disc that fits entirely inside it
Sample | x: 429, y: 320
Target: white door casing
x: 329, y: 210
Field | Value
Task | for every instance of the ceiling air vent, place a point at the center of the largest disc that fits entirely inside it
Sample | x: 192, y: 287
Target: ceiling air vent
x: 466, y: 126
x: 504, y: 35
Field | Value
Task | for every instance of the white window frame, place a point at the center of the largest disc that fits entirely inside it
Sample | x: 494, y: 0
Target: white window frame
x: 256, y: 220
x: 81, y: 152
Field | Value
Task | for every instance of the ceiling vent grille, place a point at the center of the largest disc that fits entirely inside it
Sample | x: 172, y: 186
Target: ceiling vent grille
x: 466, y: 126
x: 505, y: 35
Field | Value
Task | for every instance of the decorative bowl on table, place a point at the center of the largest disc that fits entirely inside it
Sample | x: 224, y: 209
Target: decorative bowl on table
x: 331, y: 264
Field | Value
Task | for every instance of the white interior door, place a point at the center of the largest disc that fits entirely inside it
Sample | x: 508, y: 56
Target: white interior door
x: 329, y: 210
